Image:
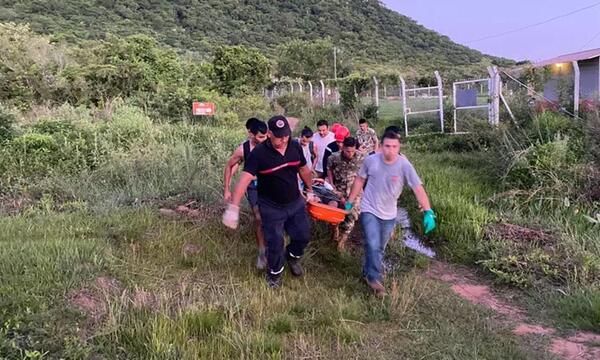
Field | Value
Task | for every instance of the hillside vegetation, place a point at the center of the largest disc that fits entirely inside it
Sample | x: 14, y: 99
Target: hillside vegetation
x: 366, y: 31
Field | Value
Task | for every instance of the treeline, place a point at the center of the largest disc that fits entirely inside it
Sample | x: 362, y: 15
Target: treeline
x: 36, y: 71
x: 365, y: 30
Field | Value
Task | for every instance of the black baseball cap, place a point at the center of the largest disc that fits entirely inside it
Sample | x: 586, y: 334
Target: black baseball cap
x: 279, y: 126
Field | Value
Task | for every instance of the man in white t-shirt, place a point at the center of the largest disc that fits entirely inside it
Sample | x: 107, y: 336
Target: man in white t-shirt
x: 309, y: 148
x: 323, y: 138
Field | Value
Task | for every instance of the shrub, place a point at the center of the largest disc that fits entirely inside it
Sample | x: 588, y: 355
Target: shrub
x: 370, y: 112
x: 592, y: 136
x: 34, y: 154
x: 294, y: 104
x: 310, y: 116
x: 542, y: 165
x: 250, y: 106
x: 548, y: 125
x: 128, y: 126
x: 7, y: 122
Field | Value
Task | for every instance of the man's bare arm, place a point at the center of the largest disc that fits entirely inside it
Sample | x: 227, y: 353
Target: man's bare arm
x: 241, y: 187
x: 306, y: 176
x: 232, y: 165
x: 422, y: 198
x: 357, y: 187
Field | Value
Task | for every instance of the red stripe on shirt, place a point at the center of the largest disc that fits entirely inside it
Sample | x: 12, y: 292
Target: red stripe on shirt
x: 277, y: 168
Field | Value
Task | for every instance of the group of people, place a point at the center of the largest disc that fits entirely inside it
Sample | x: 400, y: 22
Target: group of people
x: 367, y: 177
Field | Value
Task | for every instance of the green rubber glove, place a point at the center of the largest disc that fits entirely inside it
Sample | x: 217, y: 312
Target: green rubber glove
x: 429, y: 221
x: 348, y: 206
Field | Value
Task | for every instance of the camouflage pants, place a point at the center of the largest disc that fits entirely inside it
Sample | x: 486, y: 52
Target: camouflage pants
x: 348, y: 224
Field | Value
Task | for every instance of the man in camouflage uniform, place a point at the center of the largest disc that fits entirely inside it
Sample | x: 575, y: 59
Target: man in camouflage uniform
x: 342, y: 167
x: 367, y: 138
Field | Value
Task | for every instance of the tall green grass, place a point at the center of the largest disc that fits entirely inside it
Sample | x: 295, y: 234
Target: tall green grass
x: 214, y: 305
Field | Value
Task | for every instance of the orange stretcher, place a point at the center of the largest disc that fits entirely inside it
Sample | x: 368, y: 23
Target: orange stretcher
x: 330, y: 214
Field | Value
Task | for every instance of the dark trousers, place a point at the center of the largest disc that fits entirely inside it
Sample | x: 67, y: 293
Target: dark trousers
x: 292, y: 219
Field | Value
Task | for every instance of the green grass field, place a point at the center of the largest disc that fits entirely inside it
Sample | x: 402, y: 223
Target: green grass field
x: 90, y: 269
x: 167, y: 304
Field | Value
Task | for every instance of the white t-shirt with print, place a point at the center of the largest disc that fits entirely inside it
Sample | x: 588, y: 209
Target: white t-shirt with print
x: 321, y: 143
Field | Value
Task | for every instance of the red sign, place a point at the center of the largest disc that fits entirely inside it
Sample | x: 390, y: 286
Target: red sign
x: 203, y: 108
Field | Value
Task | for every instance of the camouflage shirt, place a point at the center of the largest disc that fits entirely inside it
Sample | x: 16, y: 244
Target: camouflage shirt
x: 368, y: 139
x: 344, y: 171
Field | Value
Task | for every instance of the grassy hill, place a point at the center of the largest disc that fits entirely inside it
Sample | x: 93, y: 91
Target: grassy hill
x: 366, y: 30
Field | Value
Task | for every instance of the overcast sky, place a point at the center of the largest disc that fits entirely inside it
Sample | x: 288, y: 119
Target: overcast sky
x: 467, y: 20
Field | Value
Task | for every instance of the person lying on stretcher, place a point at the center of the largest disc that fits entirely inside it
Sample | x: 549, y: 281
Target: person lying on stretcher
x: 325, y: 193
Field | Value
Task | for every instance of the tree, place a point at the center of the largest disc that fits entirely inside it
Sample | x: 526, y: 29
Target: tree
x: 311, y: 60
x: 129, y: 66
x: 29, y: 66
x: 239, y: 70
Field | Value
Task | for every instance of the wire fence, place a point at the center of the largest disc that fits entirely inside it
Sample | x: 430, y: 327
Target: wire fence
x: 422, y: 108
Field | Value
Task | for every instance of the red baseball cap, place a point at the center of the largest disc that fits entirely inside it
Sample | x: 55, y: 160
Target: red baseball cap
x: 335, y: 126
x: 341, y: 133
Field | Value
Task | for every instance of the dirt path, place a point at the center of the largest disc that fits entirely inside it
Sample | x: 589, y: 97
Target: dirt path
x: 579, y: 346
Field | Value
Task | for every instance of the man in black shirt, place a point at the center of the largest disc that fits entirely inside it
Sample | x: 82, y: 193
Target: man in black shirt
x: 276, y: 163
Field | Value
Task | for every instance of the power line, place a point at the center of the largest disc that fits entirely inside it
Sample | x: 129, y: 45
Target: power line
x: 538, y: 94
x: 534, y: 25
x: 590, y: 41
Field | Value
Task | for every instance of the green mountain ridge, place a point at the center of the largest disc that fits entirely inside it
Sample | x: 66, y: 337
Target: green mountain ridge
x: 365, y: 30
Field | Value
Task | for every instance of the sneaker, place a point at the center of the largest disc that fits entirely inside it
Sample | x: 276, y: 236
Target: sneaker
x: 412, y: 241
x: 273, y: 281
x: 295, y: 267
x: 377, y: 287
x: 261, y: 261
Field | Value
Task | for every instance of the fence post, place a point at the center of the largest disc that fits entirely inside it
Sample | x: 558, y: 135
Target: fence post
x: 403, y: 87
x: 292, y: 87
x: 310, y: 89
x: 490, y: 95
x: 497, y: 97
x: 576, y: 89
x: 494, y: 113
x: 376, y: 91
x: 301, y: 87
x: 441, y: 99
x: 322, y: 92
x: 454, y: 105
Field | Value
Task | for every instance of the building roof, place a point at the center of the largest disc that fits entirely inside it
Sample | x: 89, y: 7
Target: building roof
x: 567, y: 58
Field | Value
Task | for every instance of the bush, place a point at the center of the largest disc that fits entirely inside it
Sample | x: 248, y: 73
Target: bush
x: 239, y: 70
x: 480, y: 137
x: 250, y: 106
x: 310, y: 116
x: 548, y: 125
x: 34, y: 154
x: 7, y: 122
x: 294, y: 104
x: 545, y: 165
x: 128, y: 126
x: 592, y: 136
x: 370, y: 112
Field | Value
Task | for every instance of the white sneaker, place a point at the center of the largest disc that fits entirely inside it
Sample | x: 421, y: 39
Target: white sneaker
x: 412, y: 241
